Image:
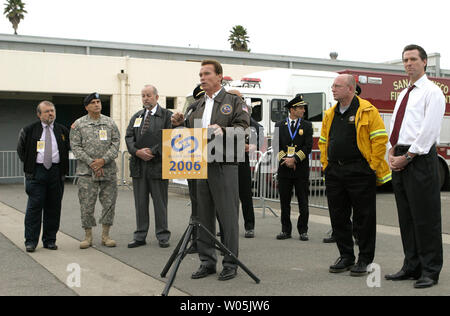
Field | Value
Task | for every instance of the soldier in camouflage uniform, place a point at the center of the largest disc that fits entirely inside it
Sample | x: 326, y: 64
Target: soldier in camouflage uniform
x: 95, y: 141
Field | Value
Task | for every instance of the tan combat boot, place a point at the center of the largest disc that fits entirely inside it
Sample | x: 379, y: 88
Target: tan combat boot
x: 106, y: 241
x: 87, y: 242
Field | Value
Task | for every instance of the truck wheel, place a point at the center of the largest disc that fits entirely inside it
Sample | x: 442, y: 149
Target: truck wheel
x: 443, y: 168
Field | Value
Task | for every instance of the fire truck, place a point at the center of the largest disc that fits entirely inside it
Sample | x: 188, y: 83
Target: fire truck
x: 270, y: 90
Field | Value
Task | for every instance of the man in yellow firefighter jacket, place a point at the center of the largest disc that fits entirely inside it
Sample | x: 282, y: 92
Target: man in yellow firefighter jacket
x: 353, y: 145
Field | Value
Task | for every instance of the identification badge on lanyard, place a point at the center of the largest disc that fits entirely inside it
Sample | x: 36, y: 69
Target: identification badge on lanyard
x: 103, y: 134
x: 40, y: 146
x: 137, y: 122
x: 290, y: 151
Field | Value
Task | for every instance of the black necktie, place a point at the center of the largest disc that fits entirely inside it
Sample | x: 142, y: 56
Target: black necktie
x: 293, y: 127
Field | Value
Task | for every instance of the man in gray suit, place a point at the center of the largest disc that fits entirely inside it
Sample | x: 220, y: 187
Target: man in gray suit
x: 144, y: 143
x: 223, y: 115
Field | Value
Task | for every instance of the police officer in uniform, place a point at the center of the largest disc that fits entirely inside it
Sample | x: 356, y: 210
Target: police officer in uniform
x: 253, y: 140
x: 95, y: 141
x: 295, y: 137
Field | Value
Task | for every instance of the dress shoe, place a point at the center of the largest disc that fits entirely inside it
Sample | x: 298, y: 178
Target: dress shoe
x: 342, y: 265
x: 51, y: 246
x: 136, y: 243
x: 30, y: 248
x: 329, y: 240
x: 424, y: 283
x: 203, y: 272
x: 359, y: 269
x: 227, y: 274
x: 401, y: 276
x: 249, y: 233
x: 304, y: 237
x: 164, y: 243
x: 283, y: 236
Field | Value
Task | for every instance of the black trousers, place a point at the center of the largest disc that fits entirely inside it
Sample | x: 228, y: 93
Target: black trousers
x: 417, y: 194
x: 192, y: 184
x: 352, y: 187
x: 45, y: 191
x: 285, y: 187
x: 245, y: 195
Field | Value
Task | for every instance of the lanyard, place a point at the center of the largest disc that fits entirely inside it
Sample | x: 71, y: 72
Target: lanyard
x: 296, y: 129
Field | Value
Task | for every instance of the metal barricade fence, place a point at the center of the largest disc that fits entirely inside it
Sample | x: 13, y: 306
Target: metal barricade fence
x: 264, y: 179
x: 12, y: 168
x: 10, y: 165
x: 265, y: 184
x: 125, y: 179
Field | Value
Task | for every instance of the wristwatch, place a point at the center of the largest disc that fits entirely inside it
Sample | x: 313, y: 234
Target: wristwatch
x: 408, y: 157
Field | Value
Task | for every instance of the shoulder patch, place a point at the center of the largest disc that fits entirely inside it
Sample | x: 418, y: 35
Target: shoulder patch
x: 226, y: 109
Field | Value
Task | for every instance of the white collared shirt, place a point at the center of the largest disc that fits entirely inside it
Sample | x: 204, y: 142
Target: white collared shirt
x: 290, y: 122
x: 209, y: 104
x: 152, y: 112
x: 421, y: 124
x: 55, y: 151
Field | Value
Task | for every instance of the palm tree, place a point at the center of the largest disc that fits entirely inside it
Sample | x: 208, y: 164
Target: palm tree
x: 14, y: 11
x: 239, y: 39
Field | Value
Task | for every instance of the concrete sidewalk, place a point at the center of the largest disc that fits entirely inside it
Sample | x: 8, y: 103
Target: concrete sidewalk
x: 289, y: 267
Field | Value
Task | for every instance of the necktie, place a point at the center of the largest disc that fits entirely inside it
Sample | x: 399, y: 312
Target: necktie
x: 146, y: 123
x: 399, y: 118
x: 48, y: 148
x: 293, y: 126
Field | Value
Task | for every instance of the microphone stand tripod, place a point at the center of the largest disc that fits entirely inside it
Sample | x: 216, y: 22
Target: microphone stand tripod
x: 182, y: 249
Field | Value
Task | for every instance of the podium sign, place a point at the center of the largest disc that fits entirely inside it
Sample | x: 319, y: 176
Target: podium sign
x: 184, y: 154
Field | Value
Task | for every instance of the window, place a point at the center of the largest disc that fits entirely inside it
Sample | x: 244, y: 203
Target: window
x: 277, y: 110
x: 316, y: 104
x: 171, y: 102
x: 256, y: 108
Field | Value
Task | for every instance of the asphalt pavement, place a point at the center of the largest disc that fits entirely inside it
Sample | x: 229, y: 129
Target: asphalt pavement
x: 290, y: 267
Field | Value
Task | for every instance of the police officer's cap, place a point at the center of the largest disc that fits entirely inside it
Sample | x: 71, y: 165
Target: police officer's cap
x: 90, y: 97
x: 296, y: 102
x: 198, y: 92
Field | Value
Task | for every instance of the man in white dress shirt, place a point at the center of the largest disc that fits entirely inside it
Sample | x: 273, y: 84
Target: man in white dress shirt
x: 43, y: 147
x: 415, y: 129
x: 222, y: 113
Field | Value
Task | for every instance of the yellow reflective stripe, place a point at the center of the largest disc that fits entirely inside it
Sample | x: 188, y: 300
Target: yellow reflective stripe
x: 322, y: 139
x: 377, y: 133
x: 385, y: 179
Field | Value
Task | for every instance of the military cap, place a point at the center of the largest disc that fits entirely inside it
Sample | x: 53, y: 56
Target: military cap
x: 90, y: 97
x: 198, y: 92
x: 297, y: 101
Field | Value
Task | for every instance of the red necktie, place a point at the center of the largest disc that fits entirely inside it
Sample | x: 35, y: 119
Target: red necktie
x: 399, y: 118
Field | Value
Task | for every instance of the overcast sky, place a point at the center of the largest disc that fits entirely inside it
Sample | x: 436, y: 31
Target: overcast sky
x: 371, y: 31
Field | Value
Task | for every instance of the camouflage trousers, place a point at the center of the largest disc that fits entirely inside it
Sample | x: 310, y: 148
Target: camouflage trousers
x: 88, y: 190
